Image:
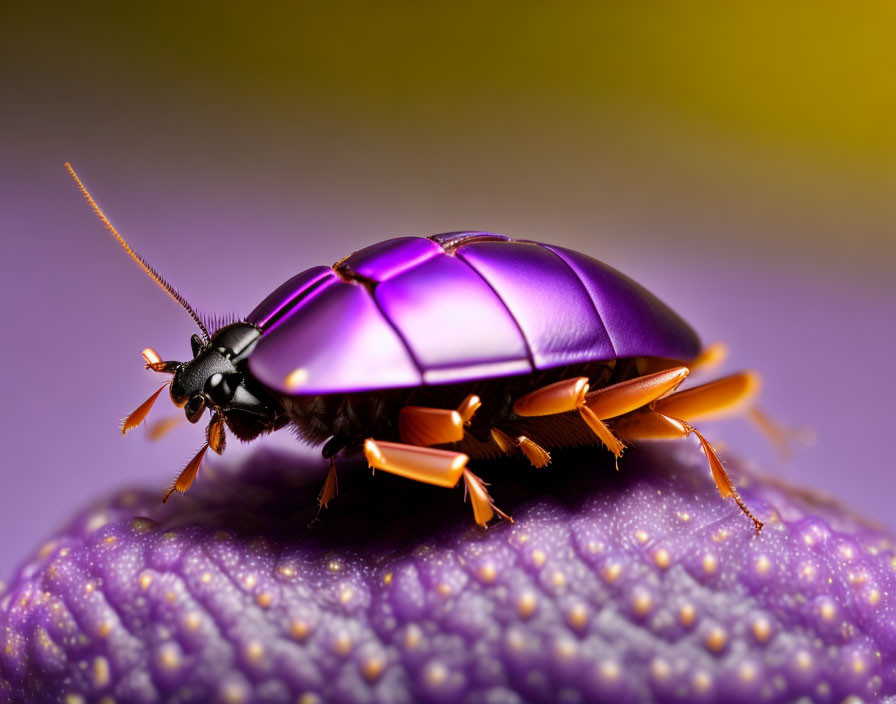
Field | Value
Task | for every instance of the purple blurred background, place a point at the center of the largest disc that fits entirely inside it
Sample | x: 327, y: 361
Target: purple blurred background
x: 737, y: 160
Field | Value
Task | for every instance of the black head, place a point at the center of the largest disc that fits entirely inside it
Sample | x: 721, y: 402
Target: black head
x: 217, y: 379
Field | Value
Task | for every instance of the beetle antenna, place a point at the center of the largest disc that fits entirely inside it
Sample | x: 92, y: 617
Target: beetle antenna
x: 148, y: 270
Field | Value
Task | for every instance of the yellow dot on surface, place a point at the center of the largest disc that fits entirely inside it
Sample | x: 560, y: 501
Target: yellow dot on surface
x: 100, y: 672
x: 611, y: 572
x: 372, y: 668
x: 109, y: 539
x: 609, y: 670
x: 104, y: 629
x: 346, y: 594
x: 413, y: 636
x: 527, y: 604
x: 145, y: 580
x: 873, y: 596
x: 287, y: 571
x: 642, y: 602
x: 641, y: 536
x: 192, y: 621
x: 387, y: 578
x: 558, y: 579
x: 296, y: 378
x: 488, y: 573
x: 74, y: 699
x: 299, y: 629
x: 168, y: 657
x: 309, y: 698
x: 747, y: 672
x: 720, y: 535
x: 803, y: 659
x: 827, y: 610
x: 710, y: 563
x: 250, y: 581
x: 539, y: 557
x: 858, y: 664
x: 763, y: 565
x: 684, y: 516
x: 206, y: 577
x: 687, y: 614
x: 661, y: 558
x: 716, y: 639
x: 334, y: 565
x: 443, y: 589
x: 846, y: 552
x: 343, y: 644
x: 254, y: 651
x: 89, y: 587
x: 761, y: 628
x: 577, y: 616
x: 660, y: 669
x: 565, y: 648
x: 701, y: 681
x: 264, y: 599
x: 435, y: 674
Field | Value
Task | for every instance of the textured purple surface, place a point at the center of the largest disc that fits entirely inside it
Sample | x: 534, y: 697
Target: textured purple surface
x: 640, y: 585
x: 483, y: 309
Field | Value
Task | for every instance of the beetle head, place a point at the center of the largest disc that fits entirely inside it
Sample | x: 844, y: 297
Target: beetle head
x: 216, y: 379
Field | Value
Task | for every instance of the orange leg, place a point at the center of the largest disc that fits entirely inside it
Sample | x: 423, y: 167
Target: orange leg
x: 670, y: 416
x: 419, y: 425
x: 431, y: 466
x: 602, y: 404
x: 215, y: 439
x: 535, y: 453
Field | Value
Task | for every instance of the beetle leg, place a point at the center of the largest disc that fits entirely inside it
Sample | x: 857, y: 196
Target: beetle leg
x: 418, y: 425
x: 649, y: 424
x: 726, y: 396
x: 186, y: 477
x: 602, y: 404
x: 535, y: 453
x: 422, y: 464
x: 483, y: 507
x: 468, y: 408
x: 431, y: 466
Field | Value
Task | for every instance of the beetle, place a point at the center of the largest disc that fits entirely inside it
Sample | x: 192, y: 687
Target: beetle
x: 425, y: 353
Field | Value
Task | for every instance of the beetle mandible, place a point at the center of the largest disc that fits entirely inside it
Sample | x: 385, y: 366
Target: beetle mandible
x: 425, y: 353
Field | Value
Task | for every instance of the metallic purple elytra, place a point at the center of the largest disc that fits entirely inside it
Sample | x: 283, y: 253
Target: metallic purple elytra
x: 425, y: 353
x: 453, y: 308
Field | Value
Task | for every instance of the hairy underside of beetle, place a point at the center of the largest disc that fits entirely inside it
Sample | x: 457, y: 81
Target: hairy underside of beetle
x: 351, y: 418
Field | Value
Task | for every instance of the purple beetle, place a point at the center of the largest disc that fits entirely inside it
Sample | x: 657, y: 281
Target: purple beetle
x: 424, y: 353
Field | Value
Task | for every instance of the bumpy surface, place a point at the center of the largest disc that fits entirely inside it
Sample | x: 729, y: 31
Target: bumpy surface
x: 640, y: 585
x: 452, y: 308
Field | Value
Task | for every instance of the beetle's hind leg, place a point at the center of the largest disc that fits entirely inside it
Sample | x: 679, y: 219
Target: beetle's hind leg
x: 602, y: 404
x: 670, y: 417
x: 431, y: 466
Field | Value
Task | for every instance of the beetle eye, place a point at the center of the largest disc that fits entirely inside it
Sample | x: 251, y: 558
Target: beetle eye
x: 196, y: 344
x: 194, y: 408
x: 220, y: 388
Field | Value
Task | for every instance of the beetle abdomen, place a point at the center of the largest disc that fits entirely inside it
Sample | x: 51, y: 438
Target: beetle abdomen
x: 453, y: 308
